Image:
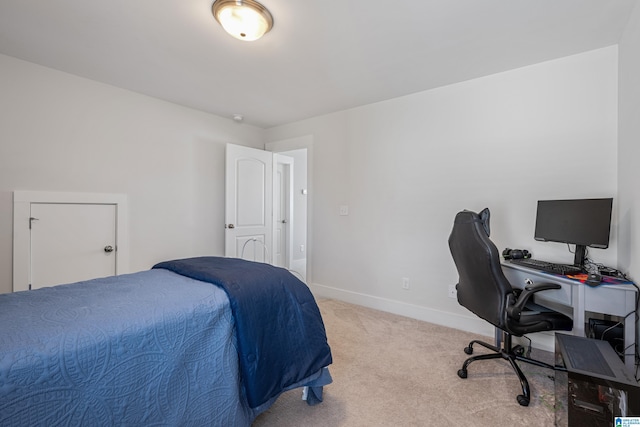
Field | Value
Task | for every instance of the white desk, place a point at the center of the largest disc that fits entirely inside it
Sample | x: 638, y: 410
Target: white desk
x: 576, y: 298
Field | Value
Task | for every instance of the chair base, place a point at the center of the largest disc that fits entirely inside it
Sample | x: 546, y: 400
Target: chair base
x: 512, y: 354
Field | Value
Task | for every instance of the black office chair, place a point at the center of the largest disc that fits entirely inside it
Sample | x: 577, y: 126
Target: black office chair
x: 483, y: 289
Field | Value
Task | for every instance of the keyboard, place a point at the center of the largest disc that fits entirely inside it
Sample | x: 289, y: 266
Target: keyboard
x: 547, y: 267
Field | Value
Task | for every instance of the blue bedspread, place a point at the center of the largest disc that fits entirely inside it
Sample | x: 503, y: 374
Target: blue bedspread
x: 149, y: 348
x: 280, y: 333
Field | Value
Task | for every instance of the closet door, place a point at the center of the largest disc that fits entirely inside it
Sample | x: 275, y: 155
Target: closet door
x: 68, y: 237
x: 71, y: 242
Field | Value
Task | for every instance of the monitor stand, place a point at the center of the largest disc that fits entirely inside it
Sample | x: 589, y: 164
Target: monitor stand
x: 580, y: 256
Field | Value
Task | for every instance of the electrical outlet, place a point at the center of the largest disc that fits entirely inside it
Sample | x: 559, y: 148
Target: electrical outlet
x: 405, y: 283
x: 453, y: 293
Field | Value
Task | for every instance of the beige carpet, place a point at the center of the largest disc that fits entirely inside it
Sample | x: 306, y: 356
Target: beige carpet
x: 390, y: 370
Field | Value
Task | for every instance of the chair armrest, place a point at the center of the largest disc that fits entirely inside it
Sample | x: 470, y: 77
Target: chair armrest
x: 515, y: 310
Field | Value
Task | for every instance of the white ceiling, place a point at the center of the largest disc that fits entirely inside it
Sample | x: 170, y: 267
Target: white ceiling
x: 321, y: 56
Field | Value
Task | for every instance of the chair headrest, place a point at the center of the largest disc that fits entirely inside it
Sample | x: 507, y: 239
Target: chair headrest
x: 467, y: 216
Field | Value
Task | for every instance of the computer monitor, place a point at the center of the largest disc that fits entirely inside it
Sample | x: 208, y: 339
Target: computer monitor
x: 581, y: 222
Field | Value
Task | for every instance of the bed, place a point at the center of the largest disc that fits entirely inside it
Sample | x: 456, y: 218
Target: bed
x: 199, y: 341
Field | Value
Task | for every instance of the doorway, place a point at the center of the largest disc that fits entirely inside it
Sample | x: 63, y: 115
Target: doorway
x: 251, y: 175
x: 283, y: 218
x: 301, y: 150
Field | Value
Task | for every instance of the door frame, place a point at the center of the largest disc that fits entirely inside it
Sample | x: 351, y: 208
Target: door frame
x: 22, y: 201
x: 296, y: 143
x: 288, y: 165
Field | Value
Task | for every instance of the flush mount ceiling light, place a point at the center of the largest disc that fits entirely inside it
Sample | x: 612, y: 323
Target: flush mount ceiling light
x: 245, y: 20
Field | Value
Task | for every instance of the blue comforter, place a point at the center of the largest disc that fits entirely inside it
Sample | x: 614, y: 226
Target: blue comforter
x: 280, y: 333
x: 148, y: 348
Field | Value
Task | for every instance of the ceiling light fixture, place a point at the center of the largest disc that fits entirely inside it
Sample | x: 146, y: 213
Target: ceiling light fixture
x: 245, y: 20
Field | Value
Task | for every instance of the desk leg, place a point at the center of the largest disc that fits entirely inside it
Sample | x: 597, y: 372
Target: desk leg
x: 629, y: 341
x: 578, y: 310
x: 630, y: 331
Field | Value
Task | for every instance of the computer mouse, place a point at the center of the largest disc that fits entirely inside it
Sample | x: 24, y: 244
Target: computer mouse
x: 593, y: 279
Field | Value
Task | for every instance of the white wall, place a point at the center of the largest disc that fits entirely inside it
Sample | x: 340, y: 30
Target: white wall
x: 59, y: 132
x: 629, y: 148
x: 407, y: 165
x: 629, y: 151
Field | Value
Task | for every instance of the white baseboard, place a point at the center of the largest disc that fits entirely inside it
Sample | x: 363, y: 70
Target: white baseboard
x: 473, y: 324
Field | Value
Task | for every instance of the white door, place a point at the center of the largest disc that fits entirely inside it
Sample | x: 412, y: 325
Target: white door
x: 71, y: 242
x: 282, y: 210
x: 248, y: 203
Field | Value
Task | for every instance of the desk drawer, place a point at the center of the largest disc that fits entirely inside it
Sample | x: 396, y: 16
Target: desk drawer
x: 609, y: 300
x: 519, y: 279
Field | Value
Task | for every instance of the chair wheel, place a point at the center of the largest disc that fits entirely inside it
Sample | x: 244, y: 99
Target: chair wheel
x: 462, y: 373
x: 468, y: 350
x: 518, y: 350
x: 522, y: 400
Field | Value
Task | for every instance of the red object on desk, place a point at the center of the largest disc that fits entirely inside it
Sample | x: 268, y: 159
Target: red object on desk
x: 606, y: 280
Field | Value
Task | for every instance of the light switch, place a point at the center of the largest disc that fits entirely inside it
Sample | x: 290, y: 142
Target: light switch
x: 344, y: 210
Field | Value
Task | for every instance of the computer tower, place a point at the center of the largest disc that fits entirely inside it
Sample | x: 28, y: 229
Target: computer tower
x: 596, y: 387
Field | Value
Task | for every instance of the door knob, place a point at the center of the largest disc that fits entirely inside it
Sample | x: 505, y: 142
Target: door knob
x: 108, y: 248
x: 231, y: 226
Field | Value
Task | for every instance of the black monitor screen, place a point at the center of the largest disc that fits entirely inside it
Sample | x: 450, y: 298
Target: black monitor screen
x: 584, y: 222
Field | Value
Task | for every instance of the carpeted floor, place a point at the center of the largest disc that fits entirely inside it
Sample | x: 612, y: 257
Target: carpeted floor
x: 390, y: 370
